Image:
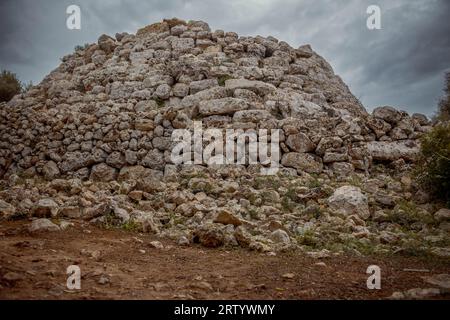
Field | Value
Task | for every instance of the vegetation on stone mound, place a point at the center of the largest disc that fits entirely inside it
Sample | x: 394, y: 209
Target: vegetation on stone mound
x: 433, y: 170
x: 223, y: 79
x: 9, y: 86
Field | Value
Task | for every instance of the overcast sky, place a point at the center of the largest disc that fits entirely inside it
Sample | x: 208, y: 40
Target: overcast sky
x: 402, y: 65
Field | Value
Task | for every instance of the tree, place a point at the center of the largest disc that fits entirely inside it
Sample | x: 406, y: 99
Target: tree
x: 433, y: 168
x: 444, y: 104
x: 9, y: 86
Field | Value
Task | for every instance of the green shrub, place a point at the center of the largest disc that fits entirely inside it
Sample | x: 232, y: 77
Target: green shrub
x: 159, y: 102
x: 433, y: 170
x: 9, y: 86
x: 223, y: 79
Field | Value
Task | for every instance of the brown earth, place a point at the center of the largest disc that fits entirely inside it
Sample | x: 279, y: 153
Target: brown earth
x: 34, y: 267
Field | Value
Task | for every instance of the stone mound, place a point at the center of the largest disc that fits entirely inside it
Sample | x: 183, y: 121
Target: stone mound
x: 98, y: 130
x: 116, y: 103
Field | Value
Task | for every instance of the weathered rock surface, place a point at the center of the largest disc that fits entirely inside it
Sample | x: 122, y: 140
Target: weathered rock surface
x: 6, y: 210
x: 43, y: 225
x: 116, y: 102
x: 350, y: 200
x: 92, y: 142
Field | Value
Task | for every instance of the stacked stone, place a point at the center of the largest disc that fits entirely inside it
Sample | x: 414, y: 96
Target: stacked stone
x: 115, y: 104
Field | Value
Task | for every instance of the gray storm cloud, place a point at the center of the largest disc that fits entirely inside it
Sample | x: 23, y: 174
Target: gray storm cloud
x: 402, y: 65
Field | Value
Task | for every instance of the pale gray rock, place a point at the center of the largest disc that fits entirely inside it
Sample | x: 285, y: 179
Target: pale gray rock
x: 391, y: 151
x: 163, y: 91
x: 197, y: 86
x: 50, y: 170
x: 300, y: 142
x: 43, y: 225
x: 46, y: 207
x: 103, y: 172
x: 387, y: 114
x: 350, y: 200
x: 259, y: 87
x: 222, y: 106
x: 280, y: 236
x: 302, y: 162
x: 442, y: 215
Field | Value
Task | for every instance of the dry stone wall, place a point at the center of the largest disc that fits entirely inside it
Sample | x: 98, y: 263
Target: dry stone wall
x: 114, y: 105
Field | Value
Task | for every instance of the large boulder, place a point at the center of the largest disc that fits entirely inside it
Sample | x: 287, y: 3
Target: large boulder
x: 259, y: 87
x: 209, y: 235
x: 387, y: 114
x: 136, y: 173
x: 226, y: 217
x: 46, y: 207
x: 197, y: 86
x: 302, y: 162
x: 43, y: 225
x: 222, y: 106
x: 252, y: 116
x: 50, y: 170
x: 102, y: 172
x: 300, y: 143
x: 280, y: 236
x: 442, y: 215
x: 349, y: 200
x: 106, y: 43
x: 391, y: 151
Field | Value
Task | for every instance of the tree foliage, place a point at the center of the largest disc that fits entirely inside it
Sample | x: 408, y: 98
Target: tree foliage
x: 433, y: 170
x: 9, y: 86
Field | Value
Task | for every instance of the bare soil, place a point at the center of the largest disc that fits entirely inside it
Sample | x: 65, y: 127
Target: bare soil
x: 114, y: 266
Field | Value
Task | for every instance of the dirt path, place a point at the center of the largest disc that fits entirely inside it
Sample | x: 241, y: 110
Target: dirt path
x: 116, y: 264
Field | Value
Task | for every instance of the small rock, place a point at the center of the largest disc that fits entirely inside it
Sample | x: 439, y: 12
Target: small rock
x: 72, y: 212
x: 65, y: 225
x: 43, y: 225
x: 45, y: 208
x: 6, y: 210
x: 104, y: 279
x: 440, y: 280
x: 280, y: 236
x: 442, y: 215
x: 102, y: 172
x: 350, y: 200
x: 224, y: 216
x: 136, y: 195
x: 13, y: 277
x: 320, y: 264
x: 319, y: 254
x: 421, y: 293
x: 209, y: 235
x: 156, y: 245
x: 50, y: 170
x: 183, y: 241
x: 204, y: 286
x: 93, y: 254
x: 397, y: 296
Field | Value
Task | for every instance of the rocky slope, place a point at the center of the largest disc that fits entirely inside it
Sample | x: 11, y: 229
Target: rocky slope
x: 93, y: 142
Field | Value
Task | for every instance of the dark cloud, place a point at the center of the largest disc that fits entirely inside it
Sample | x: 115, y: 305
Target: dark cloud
x: 401, y: 65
